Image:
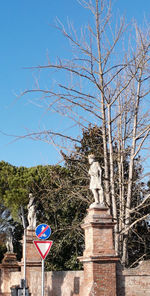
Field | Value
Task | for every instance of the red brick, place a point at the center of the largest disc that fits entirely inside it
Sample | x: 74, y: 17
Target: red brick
x: 99, y: 258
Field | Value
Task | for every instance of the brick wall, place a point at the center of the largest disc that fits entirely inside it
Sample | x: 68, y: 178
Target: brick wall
x: 99, y: 257
x: 105, y: 278
x: 57, y: 283
x: 7, y: 280
x: 135, y: 281
x: 130, y: 282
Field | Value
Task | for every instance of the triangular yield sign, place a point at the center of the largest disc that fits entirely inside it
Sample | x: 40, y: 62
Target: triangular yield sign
x: 43, y: 247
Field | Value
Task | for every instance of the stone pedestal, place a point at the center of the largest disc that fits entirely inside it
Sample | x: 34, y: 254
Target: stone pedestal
x: 10, y: 261
x: 8, y: 267
x: 33, y: 259
x: 99, y: 258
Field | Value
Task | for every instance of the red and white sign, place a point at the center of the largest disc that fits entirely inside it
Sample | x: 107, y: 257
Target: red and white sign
x: 43, y: 247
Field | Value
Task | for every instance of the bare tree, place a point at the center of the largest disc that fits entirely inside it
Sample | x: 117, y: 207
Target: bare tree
x: 111, y: 90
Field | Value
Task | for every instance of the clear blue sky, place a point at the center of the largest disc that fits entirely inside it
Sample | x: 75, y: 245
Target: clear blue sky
x: 26, y: 35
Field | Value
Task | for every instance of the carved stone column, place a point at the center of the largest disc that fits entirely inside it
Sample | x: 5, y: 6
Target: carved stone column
x: 8, y: 267
x: 99, y: 257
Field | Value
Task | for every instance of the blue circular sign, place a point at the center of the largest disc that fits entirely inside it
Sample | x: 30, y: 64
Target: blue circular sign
x: 43, y: 231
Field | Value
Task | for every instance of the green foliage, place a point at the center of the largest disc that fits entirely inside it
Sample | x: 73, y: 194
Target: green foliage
x: 71, y: 198
x: 139, y: 235
x: 62, y: 196
x: 55, y: 206
x: 77, y: 164
x: 63, y: 213
x: 17, y: 182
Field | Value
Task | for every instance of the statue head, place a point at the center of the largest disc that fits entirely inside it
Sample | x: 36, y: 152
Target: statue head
x: 31, y: 199
x: 91, y: 158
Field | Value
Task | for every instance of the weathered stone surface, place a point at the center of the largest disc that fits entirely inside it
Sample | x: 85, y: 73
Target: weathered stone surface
x: 99, y: 259
x: 95, y: 173
x: 99, y: 256
x: 31, y: 212
x: 130, y: 282
x: 8, y: 268
x: 134, y: 281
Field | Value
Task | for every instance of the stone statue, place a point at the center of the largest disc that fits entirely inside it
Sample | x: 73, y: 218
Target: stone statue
x: 9, y: 242
x: 95, y: 173
x: 31, y: 213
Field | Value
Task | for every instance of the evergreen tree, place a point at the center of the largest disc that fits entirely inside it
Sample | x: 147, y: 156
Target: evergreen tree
x: 62, y: 196
x: 78, y: 166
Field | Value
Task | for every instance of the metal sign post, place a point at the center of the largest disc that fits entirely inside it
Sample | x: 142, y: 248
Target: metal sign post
x: 42, y: 277
x: 43, y: 246
x: 24, y: 226
x: 24, y: 261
